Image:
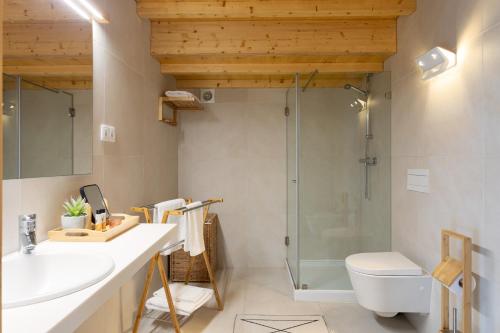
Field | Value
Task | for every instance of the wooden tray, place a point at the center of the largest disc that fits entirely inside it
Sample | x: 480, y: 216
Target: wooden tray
x: 87, y: 235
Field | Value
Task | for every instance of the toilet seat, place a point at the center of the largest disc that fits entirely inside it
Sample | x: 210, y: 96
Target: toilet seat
x: 383, y: 264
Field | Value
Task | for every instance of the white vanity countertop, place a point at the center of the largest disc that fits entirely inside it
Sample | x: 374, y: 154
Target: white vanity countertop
x: 130, y: 252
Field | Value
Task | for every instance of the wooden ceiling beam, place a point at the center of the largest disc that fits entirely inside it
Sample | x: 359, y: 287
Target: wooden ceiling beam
x: 280, y: 38
x: 263, y: 81
x: 49, y: 70
x: 270, y: 59
x: 260, y: 83
x: 269, y: 69
x: 271, y: 9
x: 68, y: 83
x: 48, y: 61
x: 260, y: 43
x: 32, y: 11
x: 47, y: 39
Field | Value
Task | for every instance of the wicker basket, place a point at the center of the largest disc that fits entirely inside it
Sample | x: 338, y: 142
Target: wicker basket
x: 179, y: 260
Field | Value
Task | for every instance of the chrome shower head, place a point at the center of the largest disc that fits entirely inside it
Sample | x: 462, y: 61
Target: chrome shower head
x: 358, y: 90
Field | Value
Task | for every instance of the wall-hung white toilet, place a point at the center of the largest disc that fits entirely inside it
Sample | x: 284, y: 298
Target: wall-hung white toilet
x: 388, y: 283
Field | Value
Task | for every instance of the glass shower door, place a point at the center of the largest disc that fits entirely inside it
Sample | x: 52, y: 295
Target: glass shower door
x: 292, y: 121
x: 336, y: 219
x: 47, y: 131
x: 11, y: 123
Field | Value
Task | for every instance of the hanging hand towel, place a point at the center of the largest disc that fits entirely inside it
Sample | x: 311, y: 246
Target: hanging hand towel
x: 160, y: 209
x: 194, y: 244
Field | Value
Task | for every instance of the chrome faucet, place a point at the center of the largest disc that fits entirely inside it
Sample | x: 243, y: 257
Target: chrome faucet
x: 27, y: 233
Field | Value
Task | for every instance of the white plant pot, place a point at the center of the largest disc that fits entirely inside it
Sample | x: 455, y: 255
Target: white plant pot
x: 73, y: 222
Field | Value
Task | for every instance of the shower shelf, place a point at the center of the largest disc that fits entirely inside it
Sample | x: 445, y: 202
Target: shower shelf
x: 177, y: 103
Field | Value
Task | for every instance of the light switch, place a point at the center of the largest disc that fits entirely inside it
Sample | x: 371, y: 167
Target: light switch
x: 112, y: 134
x: 418, y: 180
x: 108, y: 133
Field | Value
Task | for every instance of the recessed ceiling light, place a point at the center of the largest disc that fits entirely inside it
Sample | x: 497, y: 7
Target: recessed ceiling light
x: 435, y: 62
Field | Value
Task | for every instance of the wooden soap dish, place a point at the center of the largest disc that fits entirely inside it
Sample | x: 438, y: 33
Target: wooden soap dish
x: 87, y: 235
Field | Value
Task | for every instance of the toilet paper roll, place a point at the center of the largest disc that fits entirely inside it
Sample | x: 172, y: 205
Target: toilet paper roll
x: 457, y: 286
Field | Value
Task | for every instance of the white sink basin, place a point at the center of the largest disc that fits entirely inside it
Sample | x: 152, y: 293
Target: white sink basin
x: 28, y: 279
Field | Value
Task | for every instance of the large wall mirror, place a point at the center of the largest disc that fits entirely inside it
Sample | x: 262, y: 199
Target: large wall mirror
x: 47, y: 90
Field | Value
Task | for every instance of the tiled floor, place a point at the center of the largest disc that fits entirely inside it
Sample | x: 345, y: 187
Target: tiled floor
x: 267, y: 291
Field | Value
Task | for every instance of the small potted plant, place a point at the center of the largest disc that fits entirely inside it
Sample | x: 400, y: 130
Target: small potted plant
x: 75, y: 215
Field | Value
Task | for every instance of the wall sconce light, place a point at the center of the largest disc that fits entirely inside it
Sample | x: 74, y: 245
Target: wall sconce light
x: 86, y: 10
x: 435, y: 62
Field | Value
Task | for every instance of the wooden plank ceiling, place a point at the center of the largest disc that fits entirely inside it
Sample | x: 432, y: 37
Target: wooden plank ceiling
x: 262, y: 43
x: 46, y: 42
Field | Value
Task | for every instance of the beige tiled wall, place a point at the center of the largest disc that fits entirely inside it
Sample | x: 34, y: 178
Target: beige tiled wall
x: 449, y: 125
x: 236, y: 149
x: 141, y: 167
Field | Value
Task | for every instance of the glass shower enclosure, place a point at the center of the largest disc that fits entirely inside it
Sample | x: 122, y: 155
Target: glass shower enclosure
x: 38, y: 130
x: 338, y: 180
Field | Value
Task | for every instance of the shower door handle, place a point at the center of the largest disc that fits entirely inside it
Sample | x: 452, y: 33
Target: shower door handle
x: 367, y: 161
x: 294, y: 181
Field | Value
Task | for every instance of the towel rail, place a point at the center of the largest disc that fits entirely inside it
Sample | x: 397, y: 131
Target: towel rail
x: 152, y: 206
x: 177, y: 212
x: 157, y: 261
x: 183, y: 210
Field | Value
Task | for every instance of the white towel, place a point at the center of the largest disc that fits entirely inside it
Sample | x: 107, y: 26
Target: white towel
x: 194, y: 243
x: 183, y: 293
x: 180, y: 93
x: 160, y: 304
x: 159, y: 299
x: 160, y: 209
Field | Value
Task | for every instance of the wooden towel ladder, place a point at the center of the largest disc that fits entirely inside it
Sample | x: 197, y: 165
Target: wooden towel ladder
x: 158, y: 261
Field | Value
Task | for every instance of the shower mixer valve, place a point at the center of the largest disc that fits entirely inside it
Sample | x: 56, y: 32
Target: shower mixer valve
x: 368, y: 161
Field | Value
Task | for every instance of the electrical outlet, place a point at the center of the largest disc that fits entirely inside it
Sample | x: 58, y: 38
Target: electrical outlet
x: 108, y: 133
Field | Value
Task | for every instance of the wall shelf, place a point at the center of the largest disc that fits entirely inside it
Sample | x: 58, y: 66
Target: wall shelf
x: 177, y: 103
